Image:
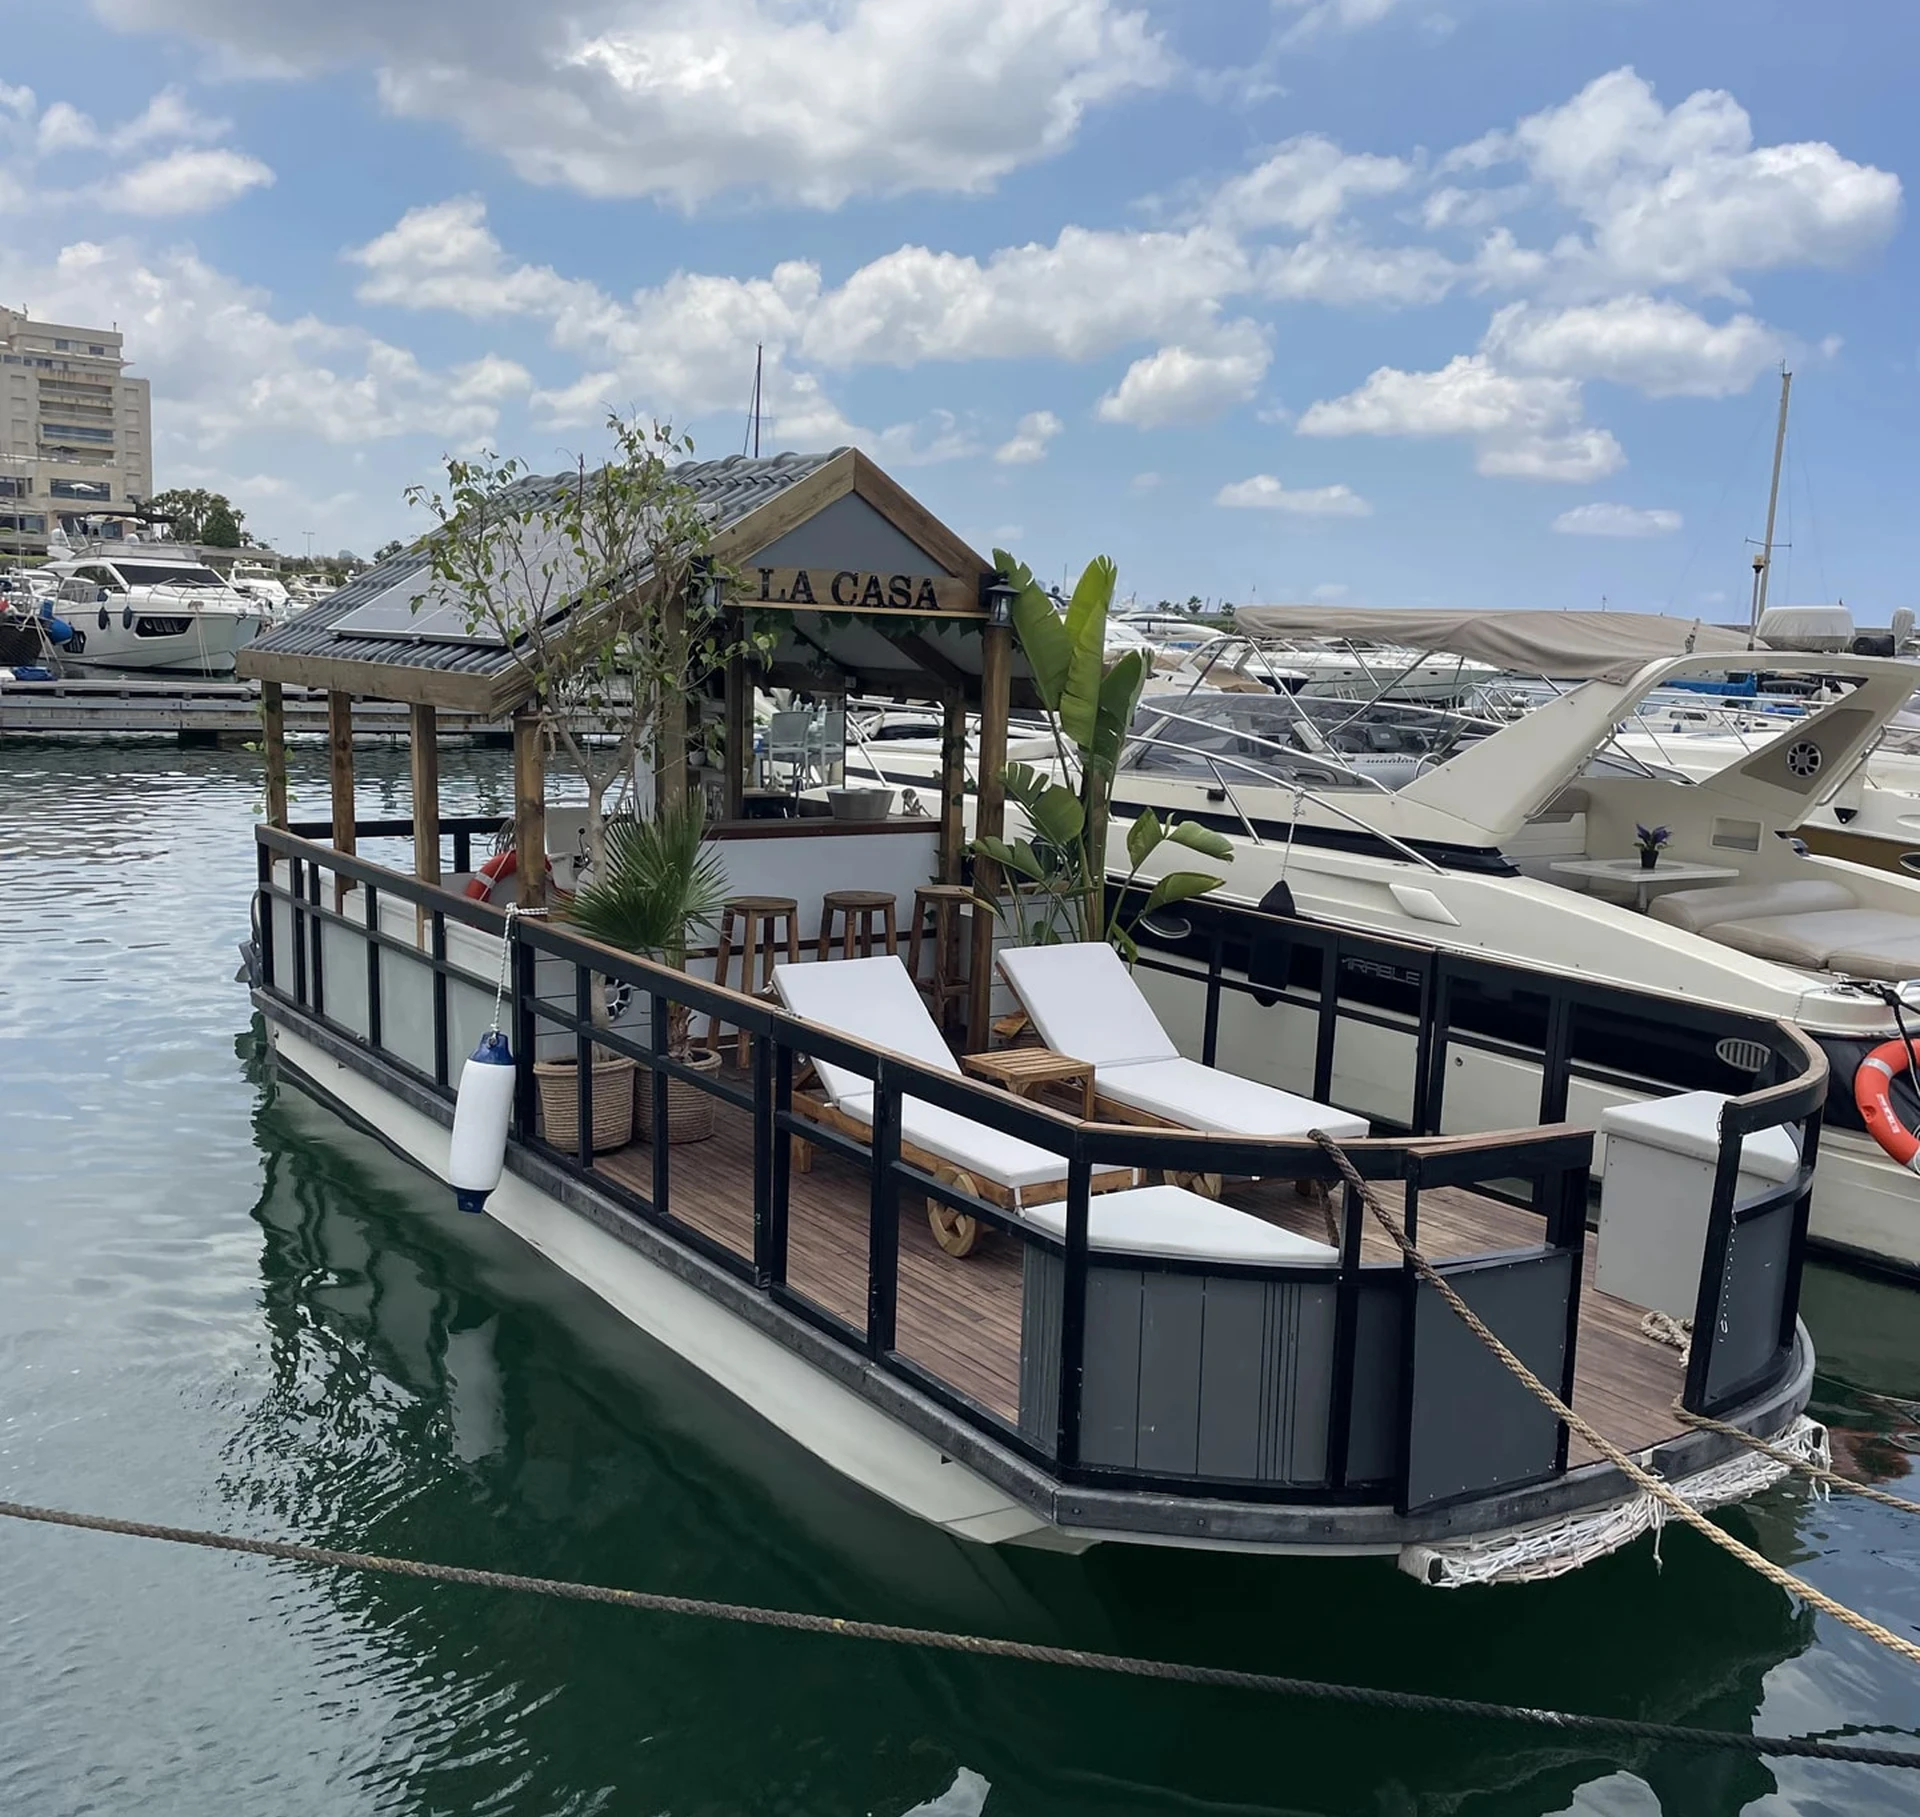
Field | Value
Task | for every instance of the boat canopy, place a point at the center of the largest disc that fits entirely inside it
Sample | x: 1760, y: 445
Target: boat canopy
x: 1583, y: 646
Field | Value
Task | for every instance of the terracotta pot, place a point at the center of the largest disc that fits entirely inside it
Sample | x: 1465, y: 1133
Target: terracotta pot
x: 559, y: 1087
x: 689, y: 1109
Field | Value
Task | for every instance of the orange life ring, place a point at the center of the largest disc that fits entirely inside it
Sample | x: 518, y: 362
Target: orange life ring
x: 1873, y: 1098
x: 496, y: 870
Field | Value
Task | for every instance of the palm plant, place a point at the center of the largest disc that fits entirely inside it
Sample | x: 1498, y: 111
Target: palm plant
x: 661, y: 884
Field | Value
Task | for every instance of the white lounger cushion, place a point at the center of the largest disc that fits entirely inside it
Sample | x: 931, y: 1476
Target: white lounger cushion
x: 1170, y: 1221
x: 1084, y: 1002
x: 989, y: 1154
x: 871, y: 1000
x: 1699, y: 910
x: 1203, y: 1097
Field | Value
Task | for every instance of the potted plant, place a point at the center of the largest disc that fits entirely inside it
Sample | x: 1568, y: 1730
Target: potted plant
x: 1649, y: 840
x: 659, y: 886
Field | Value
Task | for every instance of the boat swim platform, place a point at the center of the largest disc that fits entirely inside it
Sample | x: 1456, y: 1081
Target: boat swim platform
x: 961, y: 1319
x: 197, y: 711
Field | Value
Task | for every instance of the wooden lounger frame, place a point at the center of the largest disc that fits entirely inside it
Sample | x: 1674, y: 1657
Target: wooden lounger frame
x: 955, y: 1231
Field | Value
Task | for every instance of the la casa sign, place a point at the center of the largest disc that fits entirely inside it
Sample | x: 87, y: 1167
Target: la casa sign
x: 858, y: 590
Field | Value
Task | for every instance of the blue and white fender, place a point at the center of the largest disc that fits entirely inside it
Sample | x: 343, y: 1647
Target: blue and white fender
x: 482, y: 1107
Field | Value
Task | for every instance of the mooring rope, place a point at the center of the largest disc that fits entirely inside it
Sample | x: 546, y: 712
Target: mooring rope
x: 1572, y: 1722
x: 1657, y: 1486
x: 1819, y: 1473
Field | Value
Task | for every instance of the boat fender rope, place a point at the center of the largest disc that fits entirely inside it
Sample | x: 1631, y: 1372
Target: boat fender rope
x: 1636, y: 1473
x: 1168, y: 1671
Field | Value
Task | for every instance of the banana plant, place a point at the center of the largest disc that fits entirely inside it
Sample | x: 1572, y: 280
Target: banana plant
x: 1057, y: 877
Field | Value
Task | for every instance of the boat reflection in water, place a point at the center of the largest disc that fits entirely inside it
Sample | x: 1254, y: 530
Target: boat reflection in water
x: 437, y: 1393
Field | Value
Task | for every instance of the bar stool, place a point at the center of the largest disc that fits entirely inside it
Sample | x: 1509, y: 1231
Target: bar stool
x: 857, y: 908
x: 946, y: 987
x: 758, y: 917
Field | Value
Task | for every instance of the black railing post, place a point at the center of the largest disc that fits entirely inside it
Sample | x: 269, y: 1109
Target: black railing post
x: 1567, y: 1229
x: 883, y: 1214
x: 1434, y: 1098
x: 1210, y: 1033
x: 1556, y: 1062
x: 1709, y: 1304
x: 657, y: 1084
x: 583, y: 1063
x: 462, y: 851
x: 1346, y: 1339
x: 373, y: 968
x: 1797, y: 1243
x: 520, y: 958
x: 1073, y: 1308
x: 297, y: 927
x: 766, y: 1138
x: 263, y: 861
x: 1423, y: 1048
x: 442, y: 1060
x: 1326, y: 1029
x: 772, y: 1258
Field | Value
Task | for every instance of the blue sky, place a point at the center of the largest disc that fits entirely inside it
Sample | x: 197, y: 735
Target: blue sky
x: 1403, y: 302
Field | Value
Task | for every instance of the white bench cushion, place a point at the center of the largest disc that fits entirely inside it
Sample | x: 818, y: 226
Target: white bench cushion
x: 1170, y: 1221
x: 1894, y: 959
x: 1084, y: 1002
x: 1809, y: 940
x: 871, y: 1000
x: 989, y: 1154
x: 1203, y: 1097
x: 1699, y: 910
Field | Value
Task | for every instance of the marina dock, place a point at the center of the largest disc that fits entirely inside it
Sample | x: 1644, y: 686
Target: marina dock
x: 198, y: 713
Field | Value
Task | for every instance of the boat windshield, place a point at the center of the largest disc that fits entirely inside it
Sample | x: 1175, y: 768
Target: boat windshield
x: 166, y: 574
x: 1315, y: 742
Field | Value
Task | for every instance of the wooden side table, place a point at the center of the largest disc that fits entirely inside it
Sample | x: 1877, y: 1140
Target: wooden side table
x: 1024, y: 1070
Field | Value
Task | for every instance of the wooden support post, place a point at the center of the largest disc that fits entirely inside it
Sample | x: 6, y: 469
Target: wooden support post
x: 273, y: 739
x: 739, y: 730
x: 670, y: 743
x: 426, y: 794
x: 530, y: 808
x: 340, y: 778
x: 953, y: 787
x: 989, y: 818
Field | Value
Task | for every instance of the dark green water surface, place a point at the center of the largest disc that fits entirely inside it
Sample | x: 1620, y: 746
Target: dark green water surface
x: 219, y: 1306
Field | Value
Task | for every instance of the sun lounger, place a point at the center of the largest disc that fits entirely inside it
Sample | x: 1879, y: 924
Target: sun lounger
x: 1083, y: 1001
x: 874, y: 1000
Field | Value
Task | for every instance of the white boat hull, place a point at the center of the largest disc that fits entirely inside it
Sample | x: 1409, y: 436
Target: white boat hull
x: 206, y: 643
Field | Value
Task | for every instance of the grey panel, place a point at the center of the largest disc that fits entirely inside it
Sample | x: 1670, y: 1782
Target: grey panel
x: 1236, y: 1372
x: 849, y: 533
x: 1300, y: 1381
x: 406, y: 1011
x: 1173, y: 1310
x: 1475, y: 1427
x: 1041, y: 1274
x: 1754, y: 1301
x: 1110, y: 1415
x: 1373, y: 1437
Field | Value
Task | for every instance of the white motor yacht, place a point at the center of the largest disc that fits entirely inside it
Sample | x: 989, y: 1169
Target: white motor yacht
x: 145, y: 608
x: 1517, y: 841
x: 257, y: 581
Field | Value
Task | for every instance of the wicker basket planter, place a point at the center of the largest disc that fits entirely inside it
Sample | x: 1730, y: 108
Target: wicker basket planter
x: 559, y: 1088
x: 689, y: 1109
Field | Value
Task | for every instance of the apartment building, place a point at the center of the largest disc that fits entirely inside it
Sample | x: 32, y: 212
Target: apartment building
x: 76, y: 434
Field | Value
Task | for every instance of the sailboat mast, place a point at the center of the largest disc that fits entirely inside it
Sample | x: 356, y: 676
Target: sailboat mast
x: 759, y: 354
x: 1765, y: 564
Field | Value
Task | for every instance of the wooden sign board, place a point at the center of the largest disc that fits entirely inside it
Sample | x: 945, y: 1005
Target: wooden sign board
x: 820, y: 589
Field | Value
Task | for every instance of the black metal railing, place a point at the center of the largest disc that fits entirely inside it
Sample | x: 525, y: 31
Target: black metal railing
x: 1388, y: 1365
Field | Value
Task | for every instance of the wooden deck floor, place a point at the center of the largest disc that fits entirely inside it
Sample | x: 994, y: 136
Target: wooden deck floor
x: 961, y: 1319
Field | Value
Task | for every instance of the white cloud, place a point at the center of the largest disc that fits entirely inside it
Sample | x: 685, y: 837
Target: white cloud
x: 1306, y: 183
x: 1659, y: 347
x: 1029, y: 440
x: 1319, y: 17
x: 803, y: 100
x: 1682, y: 196
x: 185, y: 182
x: 1616, y: 521
x: 223, y: 364
x: 1187, y: 384
x: 1265, y: 493
x: 1337, y: 268
x: 1523, y: 427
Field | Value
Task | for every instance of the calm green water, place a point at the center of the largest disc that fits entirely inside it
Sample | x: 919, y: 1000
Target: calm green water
x: 219, y: 1306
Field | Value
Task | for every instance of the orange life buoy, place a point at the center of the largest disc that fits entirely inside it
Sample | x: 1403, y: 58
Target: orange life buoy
x: 1873, y: 1097
x: 496, y: 870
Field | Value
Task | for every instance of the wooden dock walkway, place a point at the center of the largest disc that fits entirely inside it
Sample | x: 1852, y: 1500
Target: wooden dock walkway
x: 195, y: 711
